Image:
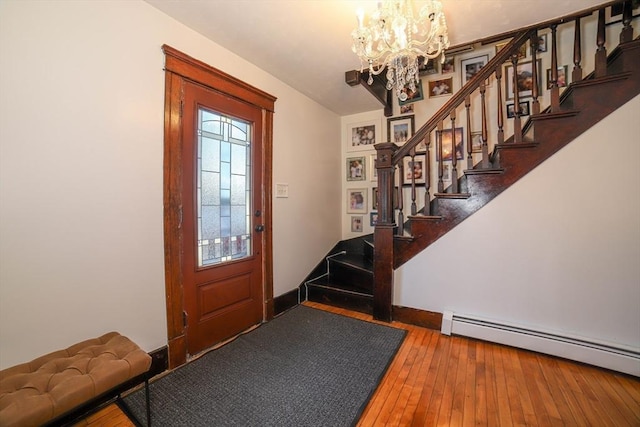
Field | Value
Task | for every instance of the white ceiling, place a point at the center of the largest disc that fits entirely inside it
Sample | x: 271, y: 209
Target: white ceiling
x: 307, y: 43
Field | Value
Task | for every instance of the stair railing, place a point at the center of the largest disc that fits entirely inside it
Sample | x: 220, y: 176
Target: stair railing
x: 390, y: 157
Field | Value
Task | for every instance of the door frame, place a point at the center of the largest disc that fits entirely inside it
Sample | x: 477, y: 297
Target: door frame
x: 179, y: 68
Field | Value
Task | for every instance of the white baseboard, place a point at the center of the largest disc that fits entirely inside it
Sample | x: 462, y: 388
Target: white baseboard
x: 606, y: 355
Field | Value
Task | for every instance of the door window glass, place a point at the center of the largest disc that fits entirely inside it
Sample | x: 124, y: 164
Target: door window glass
x: 223, y: 188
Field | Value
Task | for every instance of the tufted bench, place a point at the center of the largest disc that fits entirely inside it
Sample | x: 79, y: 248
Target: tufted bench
x: 50, y: 388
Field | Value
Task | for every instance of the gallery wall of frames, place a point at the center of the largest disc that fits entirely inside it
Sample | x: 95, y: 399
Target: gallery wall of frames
x: 438, y: 81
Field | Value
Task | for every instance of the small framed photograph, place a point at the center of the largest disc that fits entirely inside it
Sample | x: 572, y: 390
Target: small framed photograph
x: 356, y: 168
x: 471, y: 66
x: 373, y: 171
x: 446, y: 144
x: 542, y: 43
x: 356, y: 224
x: 522, y: 52
x: 363, y: 135
x: 400, y: 129
x: 562, y: 76
x: 448, y: 66
x: 413, y: 96
x: 414, y: 168
x: 446, y: 173
x: 524, y: 109
x: 421, y: 148
x: 440, y: 87
x: 428, y: 67
x: 524, y: 76
x: 373, y: 218
x: 357, y: 200
x: 406, y: 109
x: 476, y: 142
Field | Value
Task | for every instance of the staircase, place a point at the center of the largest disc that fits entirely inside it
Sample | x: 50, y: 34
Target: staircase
x: 345, y: 277
x: 349, y: 277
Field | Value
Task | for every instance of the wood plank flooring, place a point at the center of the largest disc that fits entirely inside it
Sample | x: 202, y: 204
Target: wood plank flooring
x: 436, y: 380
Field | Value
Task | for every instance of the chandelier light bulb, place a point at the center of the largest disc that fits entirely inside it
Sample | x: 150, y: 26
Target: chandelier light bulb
x: 393, y: 38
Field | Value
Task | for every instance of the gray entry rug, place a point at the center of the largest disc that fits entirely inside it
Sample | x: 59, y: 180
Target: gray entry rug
x: 306, y: 367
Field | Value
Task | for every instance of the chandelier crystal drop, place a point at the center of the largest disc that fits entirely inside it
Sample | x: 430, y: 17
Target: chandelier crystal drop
x: 396, y: 38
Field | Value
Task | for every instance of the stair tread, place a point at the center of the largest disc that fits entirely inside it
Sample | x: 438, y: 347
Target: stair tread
x: 487, y: 171
x: 358, y: 261
x: 326, y: 282
x: 452, y: 195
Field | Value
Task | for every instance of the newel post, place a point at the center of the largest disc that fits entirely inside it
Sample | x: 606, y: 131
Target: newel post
x: 383, y: 234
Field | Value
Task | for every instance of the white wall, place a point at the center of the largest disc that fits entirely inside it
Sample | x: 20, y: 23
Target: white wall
x: 557, y: 251
x: 81, y: 140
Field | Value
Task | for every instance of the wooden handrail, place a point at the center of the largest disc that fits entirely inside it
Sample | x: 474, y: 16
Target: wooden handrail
x: 459, y: 97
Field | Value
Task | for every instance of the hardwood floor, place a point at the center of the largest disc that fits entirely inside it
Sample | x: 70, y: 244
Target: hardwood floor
x: 436, y: 380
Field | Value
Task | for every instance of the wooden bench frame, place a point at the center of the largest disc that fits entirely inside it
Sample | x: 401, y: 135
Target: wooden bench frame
x: 110, y: 396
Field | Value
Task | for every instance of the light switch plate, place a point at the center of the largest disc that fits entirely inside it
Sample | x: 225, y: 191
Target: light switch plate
x: 282, y: 190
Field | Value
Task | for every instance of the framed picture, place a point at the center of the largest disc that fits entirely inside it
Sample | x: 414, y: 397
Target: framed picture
x: 373, y: 218
x: 356, y: 169
x: 471, y: 66
x: 421, y: 148
x: 524, y: 109
x: 363, y: 135
x: 357, y: 200
x: 476, y: 142
x: 356, y: 224
x: 440, y: 87
x: 446, y: 172
x: 562, y: 76
x: 446, y: 144
x: 448, y: 66
x: 406, y: 109
x: 413, y: 96
x: 428, y: 67
x: 542, y: 43
x: 374, y: 198
x: 613, y: 14
x: 524, y: 78
x: 522, y: 52
x: 400, y: 129
x: 415, y: 168
x: 373, y: 171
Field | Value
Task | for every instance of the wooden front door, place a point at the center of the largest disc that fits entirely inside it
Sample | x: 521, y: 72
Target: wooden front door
x: 222, y: 216
x: 217, y: 205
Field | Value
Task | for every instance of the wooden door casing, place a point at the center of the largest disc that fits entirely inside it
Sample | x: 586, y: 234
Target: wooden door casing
x: 180, y: 68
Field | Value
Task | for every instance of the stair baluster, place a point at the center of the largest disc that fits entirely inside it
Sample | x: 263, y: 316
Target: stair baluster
x: 414, y: 208
x: 499, y: 110
x: 454, y: 154
x: 535, y: 90
x: 576, y: 75
x: 517, y: 126
x: 400, y: 231
x: 626, y: 35
x: 467, y: 107
x: 427, y: 177
x: 440, y: 166
x: 601, y: 51
x: 553, y: 79
x: 484, y: 164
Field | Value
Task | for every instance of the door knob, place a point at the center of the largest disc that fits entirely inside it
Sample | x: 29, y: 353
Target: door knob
x: 260, y: 228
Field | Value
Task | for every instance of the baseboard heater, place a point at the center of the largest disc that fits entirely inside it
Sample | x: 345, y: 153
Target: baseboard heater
x: 606, y: 355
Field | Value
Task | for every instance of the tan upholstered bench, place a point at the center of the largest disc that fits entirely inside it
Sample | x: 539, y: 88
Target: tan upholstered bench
x: 49, y: 389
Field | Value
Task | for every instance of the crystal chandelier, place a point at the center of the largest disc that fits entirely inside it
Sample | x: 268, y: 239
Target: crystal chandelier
x: 395, y: 38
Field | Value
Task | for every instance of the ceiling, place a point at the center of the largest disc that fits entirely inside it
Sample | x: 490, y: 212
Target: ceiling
x: 307, y: 43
